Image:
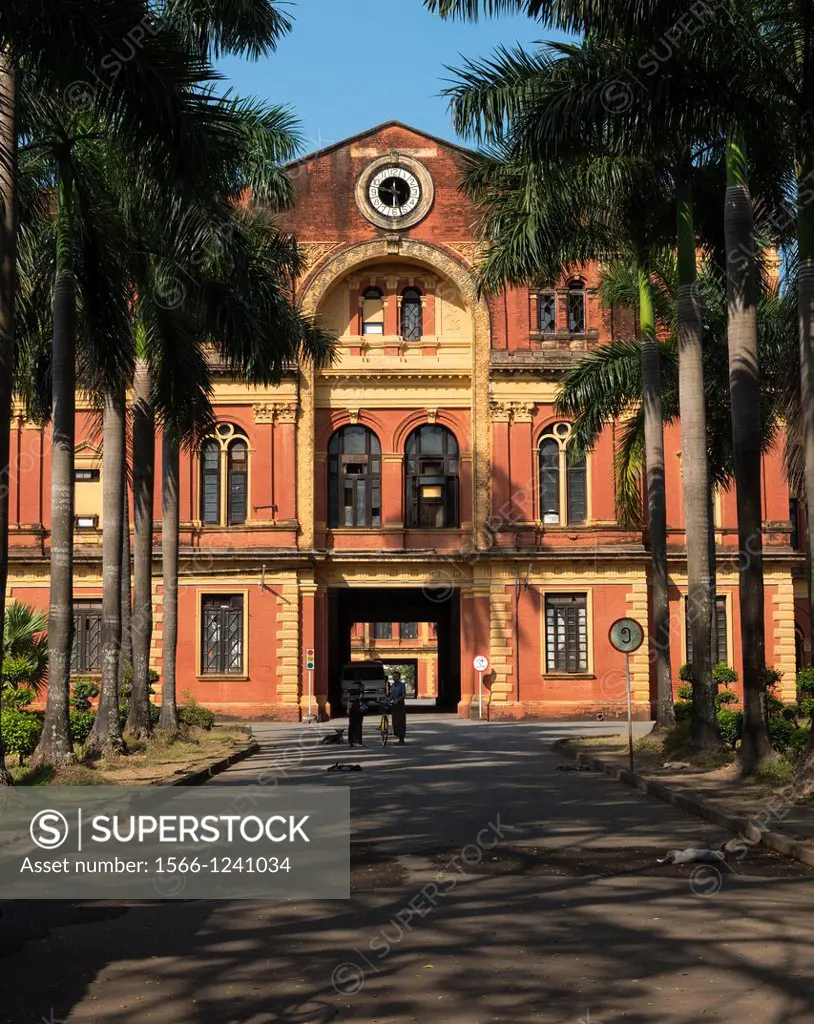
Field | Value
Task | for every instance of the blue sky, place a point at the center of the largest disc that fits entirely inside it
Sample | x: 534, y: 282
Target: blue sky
x: 351, y: 64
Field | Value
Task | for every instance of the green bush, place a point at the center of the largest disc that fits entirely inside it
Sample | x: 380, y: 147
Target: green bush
x: 21, y: 731
x: 84, y: 690
x: 16, y: 698
x: 685, y: 675
x: 723, y: 675
x: 685, y: 693
x: 773, y: 677
x: 781, y: 732
x: 798, y: 741
x: 806, y: 706
x: 683, y: 709
x: 805, y: 681
x: 81, y: 724
x: 195, y: 715
x: 725, y: 697
x: 730, y: 726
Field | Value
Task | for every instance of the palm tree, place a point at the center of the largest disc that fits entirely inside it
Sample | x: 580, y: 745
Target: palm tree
x: 8, y: 287
x: 237, y: 295
x: 168, y: 719
x: 542, y: 218
x: 148, y: 99
x: 25, y: 648
x: 605, y: 385
x: 691, y: 96
x: 251, y: 31
x: 106, y: 734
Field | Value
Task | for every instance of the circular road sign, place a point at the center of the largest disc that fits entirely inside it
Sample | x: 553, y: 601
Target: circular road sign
x: 481, y: 663
x: 626, y: 635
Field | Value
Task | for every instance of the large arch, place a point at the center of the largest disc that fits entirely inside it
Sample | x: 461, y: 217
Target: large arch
x: 314, y: 289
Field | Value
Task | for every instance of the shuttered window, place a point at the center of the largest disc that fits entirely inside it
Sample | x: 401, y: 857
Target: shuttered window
x: 210, y: 483
x: 86, y: 653
x: 222, y: 635
x: 720, y: 622
x: 238, y: 469
x: 566, y: 624
x: 408, y: 630
x: 576, y: 496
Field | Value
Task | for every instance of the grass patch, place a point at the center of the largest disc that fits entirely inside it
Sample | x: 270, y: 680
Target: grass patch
x: 776, y: 774
x: 147, y: 762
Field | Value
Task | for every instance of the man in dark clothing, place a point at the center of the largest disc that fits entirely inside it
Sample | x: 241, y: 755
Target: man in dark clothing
x: 398, y: 693
x: 356, y: 718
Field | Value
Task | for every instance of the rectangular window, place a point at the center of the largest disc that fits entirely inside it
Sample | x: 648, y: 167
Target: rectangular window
x: 720, y: 623
x: 566, y: 624
x: 577, y: 479
x: 210, y: 484
x: 794, y: 516
x: 547, y: 313
x: 222, y: 635
x: 86, y: 653
x: 86, y: 475
x: 576, y: 312
x: 382, y: 630
x: 408, y: 630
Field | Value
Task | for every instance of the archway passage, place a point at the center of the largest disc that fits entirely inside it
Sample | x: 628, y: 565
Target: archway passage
x: 347, y: 606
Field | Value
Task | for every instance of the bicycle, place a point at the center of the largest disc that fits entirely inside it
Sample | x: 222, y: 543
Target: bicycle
x: 384, y: 725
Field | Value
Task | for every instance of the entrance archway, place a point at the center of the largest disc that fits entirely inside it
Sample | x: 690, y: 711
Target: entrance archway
x: 349, y: 605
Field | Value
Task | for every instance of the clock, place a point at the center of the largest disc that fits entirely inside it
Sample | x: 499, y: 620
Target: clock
x: 394, y: 192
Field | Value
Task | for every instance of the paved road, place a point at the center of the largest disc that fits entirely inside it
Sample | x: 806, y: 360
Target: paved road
x: 566, y: 919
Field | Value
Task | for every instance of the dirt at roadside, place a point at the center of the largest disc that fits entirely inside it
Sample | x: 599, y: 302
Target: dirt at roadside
x: 722, y: 785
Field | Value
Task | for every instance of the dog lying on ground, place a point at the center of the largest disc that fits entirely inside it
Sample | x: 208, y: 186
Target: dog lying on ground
x: 334, y: 737
x: 702, y: 856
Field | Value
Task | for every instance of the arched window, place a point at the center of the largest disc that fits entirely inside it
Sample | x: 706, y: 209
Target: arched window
x: 372, y: 311
x: 563, y: 479
x: 225, y: 458
x: 576, y: 307
x: 354, y: 478
x: 412, y: 315
x: 431, y: 478
x: 237, y: 461
x: 799, y: 649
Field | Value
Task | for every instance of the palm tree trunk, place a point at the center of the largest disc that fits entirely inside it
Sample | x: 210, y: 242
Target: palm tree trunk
x: 657, y: 505
x: 9, y: 80
x: 126, y: 656
x: 55, y: 743
x: 694, y: 473
x: 138, y: 720
x: 713, y: 580
x: 168, y: 720
x: 106, y: 734
x: 804, y: 781
x: 744, y: 386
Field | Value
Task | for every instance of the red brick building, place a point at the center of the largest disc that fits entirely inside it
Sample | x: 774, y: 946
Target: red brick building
x: 422, y: 478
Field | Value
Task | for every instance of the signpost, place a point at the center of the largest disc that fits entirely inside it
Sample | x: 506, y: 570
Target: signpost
x: 481, y: 664
x: 309, y: 664
x: 627, y: 636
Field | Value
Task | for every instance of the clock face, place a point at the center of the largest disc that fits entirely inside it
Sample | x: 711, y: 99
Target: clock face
x: 394, y: 192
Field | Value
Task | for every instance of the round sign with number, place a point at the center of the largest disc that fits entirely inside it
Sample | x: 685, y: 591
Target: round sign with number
x: 626, y: 635
x: 481, y: 663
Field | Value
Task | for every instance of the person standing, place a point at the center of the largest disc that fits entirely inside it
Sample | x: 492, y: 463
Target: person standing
x: 398, y: 694
x: 356, y: 718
